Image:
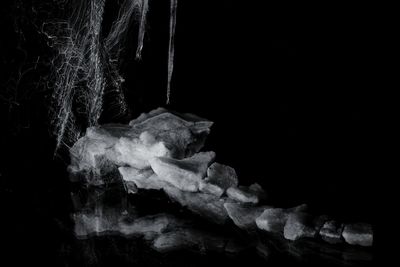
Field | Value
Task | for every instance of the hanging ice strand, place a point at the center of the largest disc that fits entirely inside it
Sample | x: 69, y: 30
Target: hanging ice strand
x: 144, y: 7
x: 129, y: 10
x: 171, y: 51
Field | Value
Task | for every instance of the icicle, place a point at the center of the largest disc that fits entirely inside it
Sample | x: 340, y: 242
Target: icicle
x: 172, y: 24
x: 142, y: 27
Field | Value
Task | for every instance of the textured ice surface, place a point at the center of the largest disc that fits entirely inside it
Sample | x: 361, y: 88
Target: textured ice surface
x: 157, y: 134
x: 244, y: 216
x: 358, y: 234
x: 331, y: 232
x: 185, y: 174
x: 252, y: 194
x: 219, y: 178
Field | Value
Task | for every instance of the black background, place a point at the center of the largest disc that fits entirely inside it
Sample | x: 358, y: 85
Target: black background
x: 293, y: 91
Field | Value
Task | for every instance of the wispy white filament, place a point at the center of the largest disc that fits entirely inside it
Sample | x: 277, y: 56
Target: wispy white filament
x: 171, y: 49
x: 144, y: 8
x: 88, y: 62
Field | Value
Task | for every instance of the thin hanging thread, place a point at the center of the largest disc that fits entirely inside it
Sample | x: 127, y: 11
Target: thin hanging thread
x: 171, y: 51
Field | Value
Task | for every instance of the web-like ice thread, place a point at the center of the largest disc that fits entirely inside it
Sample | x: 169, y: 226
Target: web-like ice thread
x: 87, y: 64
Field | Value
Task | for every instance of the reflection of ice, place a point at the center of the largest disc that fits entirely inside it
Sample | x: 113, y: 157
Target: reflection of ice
x: 106, y: 211
x: 98, y: 212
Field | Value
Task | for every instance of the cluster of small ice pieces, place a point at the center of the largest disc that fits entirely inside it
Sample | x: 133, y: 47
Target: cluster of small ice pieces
x: 160, y: 150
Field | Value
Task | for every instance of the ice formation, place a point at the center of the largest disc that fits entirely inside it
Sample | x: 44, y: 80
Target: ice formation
x: 87, y: 63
